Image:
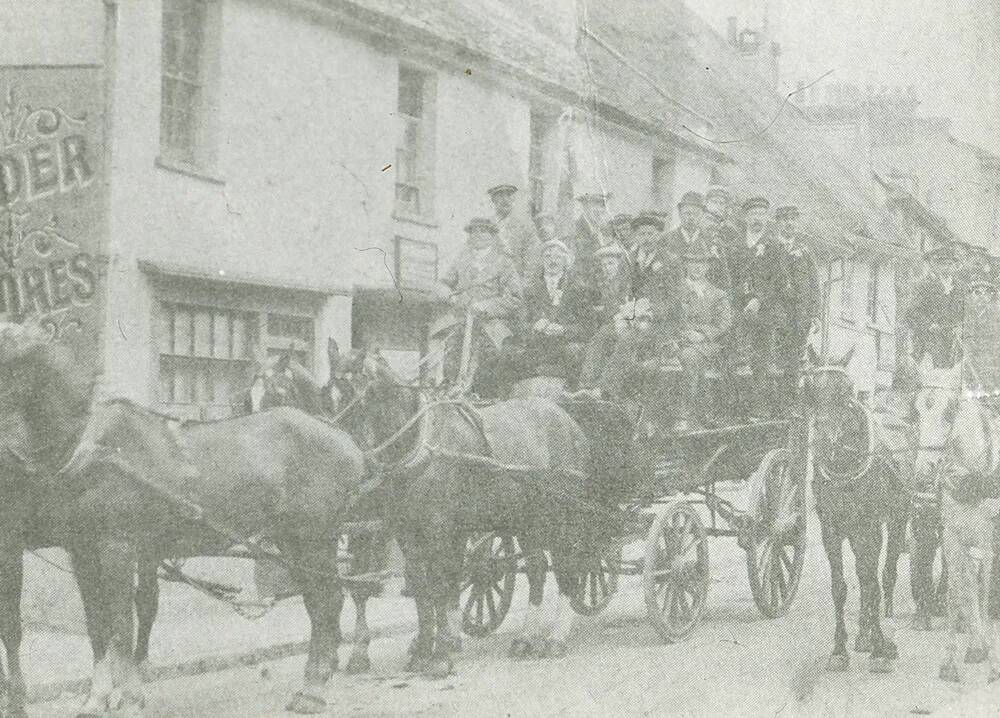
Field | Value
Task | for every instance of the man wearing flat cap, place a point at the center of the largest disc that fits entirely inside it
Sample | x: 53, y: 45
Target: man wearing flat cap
x: 587, y: 234
x: 482, y: 281
x: 517, y: 233
x: 557, y: 316
x: 706, y: 317
x: 690, y: 237
x: 619, y: 231
x: 937, y: 308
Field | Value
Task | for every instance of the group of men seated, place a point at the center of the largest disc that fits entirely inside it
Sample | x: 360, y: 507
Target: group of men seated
x: 704, y: 324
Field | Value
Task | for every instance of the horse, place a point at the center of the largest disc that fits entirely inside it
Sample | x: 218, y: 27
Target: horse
x: 958, y: 439
x: 522, y: 467
x: 116, y: 484
x: 860, y: 486
x: 281, y: 381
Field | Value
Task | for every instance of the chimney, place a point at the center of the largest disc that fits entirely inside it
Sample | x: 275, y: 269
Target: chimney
x: 731, y: 30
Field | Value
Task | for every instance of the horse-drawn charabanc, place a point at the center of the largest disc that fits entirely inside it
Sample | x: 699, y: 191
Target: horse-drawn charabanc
x: 663, y: 511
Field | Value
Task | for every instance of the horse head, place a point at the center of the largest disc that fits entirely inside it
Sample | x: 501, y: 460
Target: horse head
x: 44, y: 395
x: 282, y: 381
x: 938, y: 405
x: 828, y: 388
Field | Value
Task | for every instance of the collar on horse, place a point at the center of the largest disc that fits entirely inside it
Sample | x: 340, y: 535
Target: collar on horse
x: 844, y: 479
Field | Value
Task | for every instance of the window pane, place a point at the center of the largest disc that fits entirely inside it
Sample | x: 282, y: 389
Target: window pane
x: 411, y: 92
x: 408, y: 198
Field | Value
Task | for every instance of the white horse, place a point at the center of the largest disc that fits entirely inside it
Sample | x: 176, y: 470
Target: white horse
x: 960, y: 444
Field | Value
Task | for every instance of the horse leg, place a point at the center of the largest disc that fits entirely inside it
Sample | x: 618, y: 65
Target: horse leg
x: 925, y: 541
x: 363, y: 548
x: 954, y: 552
x: 313, y: 560
x: 422, y: 645
x: 531, y: 640
x: 11, y: 579
x: 868, y: 547
x: 86, y: 570
x: 833, y: 544
x: 895, y: 543
x: 107, y: 577
x: 978, y: 649
x: 445, y: 578
x: 861, y: 545
x: 555, y: 646
x: 147, y: 601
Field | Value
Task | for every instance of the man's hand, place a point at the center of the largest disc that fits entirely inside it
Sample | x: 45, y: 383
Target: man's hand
x: 555, y: 330
x: 753, y: 306
x: 693, y: 336
x: 540, y: 325
x: 479, y: 307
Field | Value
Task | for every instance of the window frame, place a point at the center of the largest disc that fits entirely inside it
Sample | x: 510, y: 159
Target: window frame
x: 540, y: 126
x: 198, y: 156
x: 661, y: 187
x: 421, y: 154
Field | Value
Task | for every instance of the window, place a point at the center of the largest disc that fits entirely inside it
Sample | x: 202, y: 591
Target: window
x: 414, y: 151
x: 847, y: 290
x: 205, y: 358
x: 662, y: 182
x: 416, y: 262
x: 540, y: 126
x: 207, y: 354
x: 186, y: 68
x: 872, y: 304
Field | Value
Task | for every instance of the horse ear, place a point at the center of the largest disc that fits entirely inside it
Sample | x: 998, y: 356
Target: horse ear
x: 846, y: 359
x: 285, y: 359
x: 333, y: 354
x: 812, y: 356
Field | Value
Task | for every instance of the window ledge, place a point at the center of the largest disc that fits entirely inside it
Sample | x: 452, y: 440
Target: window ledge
x: 188, y: 170
x: 415, y: 219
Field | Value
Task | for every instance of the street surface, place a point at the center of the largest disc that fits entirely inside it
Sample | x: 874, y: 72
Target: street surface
x: 735, y: 664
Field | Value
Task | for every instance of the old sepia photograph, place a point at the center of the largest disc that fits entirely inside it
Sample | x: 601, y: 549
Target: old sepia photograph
x: 500, y: 358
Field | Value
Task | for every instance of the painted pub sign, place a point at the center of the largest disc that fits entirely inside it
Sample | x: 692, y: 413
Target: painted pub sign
x: 52, y: 204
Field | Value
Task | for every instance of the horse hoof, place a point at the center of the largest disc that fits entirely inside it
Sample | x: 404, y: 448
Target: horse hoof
x: 439, y: 668
x: 949, y: 672
x: 889, y: 650
x: 976, y: 654
x: 520, y: 648
x: 452, y: 644
x: 880, y: 665
x: 358, y: 663
x: 554, y: 648
x: 888, y: 611
x: 863, y: 643
x: 922, y: 623
x: 838, y: 663
x: 994, y: 676
x: 306, y: 703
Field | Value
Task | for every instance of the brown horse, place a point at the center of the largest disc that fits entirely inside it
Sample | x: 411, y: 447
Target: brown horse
x: 446, y: 462
x: 860, y: 486
x: 119, y: 485
x: 281, y: 381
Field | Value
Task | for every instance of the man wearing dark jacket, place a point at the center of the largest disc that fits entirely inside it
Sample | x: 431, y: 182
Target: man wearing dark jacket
x: 693, y: 237
x: 936, y: 311
x: 557, y: 314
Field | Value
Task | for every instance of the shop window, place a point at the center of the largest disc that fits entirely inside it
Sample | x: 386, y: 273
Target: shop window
x: 207, y: 354
x: 540, y: 126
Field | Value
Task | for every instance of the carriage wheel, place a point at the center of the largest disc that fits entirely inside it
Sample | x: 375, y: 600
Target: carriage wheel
x: 776, y: 541
x: 599, y: 583
x: 675, y: 572
x: 489, y: 576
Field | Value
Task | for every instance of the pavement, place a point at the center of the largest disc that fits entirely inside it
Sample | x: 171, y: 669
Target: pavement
x: 735, y: 663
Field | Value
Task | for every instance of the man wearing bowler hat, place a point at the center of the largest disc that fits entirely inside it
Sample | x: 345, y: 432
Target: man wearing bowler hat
x: 752, y: 339
x: 937, y: 308
x: 795, y: 305
x: 691, y: 237
x: 517, y: 234
x: 482, y: 281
